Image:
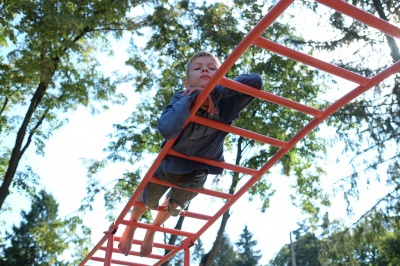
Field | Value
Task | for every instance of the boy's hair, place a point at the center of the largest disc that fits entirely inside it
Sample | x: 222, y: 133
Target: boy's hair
x: 200, y: 54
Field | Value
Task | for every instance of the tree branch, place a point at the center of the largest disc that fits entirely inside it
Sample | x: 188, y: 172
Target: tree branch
x: 394, y: 49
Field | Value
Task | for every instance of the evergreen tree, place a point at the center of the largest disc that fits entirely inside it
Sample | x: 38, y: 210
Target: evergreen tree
x: 226, y: 255
x: 198, y: 252
x: 369, y: 243
x: 246, y: 253
x: 42, y: 237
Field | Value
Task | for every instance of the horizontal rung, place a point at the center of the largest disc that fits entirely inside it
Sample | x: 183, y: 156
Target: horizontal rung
x: 204, y: 191
x: 239, y: 131
x: 235, y: 168
x: 157, y: 228
x: 184, y: 213
x: 309, y: 60
x: 120, y: 262
x: 136, y: 253
x: 362, y: 16
x: 270, y: 97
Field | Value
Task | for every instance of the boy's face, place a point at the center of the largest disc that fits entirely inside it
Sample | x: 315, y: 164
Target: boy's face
x: 200, y: 71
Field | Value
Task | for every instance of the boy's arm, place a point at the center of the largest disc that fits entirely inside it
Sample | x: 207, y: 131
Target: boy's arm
x: 174, y: 115
x: 232, y: 102
x: 253, y: 80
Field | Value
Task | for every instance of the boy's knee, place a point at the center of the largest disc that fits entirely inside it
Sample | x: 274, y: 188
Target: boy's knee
x: 149, y: 201
x: 151, y: 204
x: 174, y: 208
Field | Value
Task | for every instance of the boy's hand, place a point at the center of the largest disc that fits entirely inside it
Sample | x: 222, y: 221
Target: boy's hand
x: 208, y: 103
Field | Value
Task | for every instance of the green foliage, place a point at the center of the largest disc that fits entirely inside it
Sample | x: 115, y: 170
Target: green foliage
x: 368, y: 125
x: 243, y: 255
x: 307, y: 248
x: 246, y: 253
x: 175, y: 32
x: 198, y: 252
x: 372, y: 241
x: 42, y: 237
x: 50, y: 68
x: 226, y: 255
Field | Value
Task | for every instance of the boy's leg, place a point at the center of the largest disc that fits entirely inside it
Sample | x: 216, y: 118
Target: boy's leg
x: 147, y: 244
x: 125, y: 242
x: 150, y: 197
x: 180, y: 198
x: 176, y: 198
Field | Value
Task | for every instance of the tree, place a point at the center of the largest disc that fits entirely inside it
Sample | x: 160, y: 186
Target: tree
x: 42, y: 237
x: 198, y: 252
x: 364, y: 243
x: 368, y: 126
x: 51, y: 69
x: 176, y: 31
x: 227, y: 255
x: 246, y: 253
x: 371, y: 241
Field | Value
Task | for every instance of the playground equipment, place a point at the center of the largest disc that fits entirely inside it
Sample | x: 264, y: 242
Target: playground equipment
x: 104, y: 253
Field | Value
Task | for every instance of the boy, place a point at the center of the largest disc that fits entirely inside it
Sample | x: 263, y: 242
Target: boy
x: 223, y: 105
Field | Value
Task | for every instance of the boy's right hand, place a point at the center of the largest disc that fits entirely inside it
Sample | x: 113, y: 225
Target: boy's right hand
x: 208, y: 103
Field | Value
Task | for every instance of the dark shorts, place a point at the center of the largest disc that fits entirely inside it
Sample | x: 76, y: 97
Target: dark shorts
x: 153, y: 192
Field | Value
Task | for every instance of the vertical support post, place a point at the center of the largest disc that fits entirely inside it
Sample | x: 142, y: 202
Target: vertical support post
x: 186, y: 260
x: 110, y: 244
x: 109, y: 251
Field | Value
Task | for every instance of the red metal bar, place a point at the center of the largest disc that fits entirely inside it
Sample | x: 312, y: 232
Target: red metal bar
x: 259, y: 29
x: 167, y: 257
x: 185, y: 213
x: 109, y: 250
x: 239, y: 131
x: 363, y: 17
x: 224, y: 165
x: 319, y: 116
x: 137, y: 254
x: 270, y: 97
x: 309, y: 60
x: 200, y: 191
x: 134, y: 196
x: 186, y: 259
x: 156, y: 245
x: 120, y: 262
x: 395, y: 68
x: 157, y: 228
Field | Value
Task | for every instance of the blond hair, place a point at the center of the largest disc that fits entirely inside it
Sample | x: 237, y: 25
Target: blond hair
x: 200, y: 54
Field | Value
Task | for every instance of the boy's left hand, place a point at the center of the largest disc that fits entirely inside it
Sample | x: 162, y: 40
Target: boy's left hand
x: 208, y: 103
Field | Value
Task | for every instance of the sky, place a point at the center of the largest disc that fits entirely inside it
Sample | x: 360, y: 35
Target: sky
x: 85, y: 136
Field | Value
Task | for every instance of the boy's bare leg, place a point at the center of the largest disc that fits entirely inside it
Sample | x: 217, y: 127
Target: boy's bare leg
x: 162, y: 217
x: 125, y: 242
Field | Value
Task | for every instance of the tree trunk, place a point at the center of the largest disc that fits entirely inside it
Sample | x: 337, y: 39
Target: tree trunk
x: 215, y: 248
x: 394, y: 49
x: 18, y: 151
x: 235, y: 180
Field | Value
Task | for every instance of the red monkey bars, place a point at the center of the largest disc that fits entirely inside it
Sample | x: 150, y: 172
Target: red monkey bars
x: 105, y: 253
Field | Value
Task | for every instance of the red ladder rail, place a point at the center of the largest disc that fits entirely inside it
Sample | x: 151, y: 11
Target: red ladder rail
x: 253, y: 38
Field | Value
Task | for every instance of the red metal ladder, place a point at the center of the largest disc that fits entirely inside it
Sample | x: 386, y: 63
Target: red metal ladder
x: 104, y: 254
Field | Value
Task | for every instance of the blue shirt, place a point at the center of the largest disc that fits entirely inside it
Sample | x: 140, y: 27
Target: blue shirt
x: 198, y: 140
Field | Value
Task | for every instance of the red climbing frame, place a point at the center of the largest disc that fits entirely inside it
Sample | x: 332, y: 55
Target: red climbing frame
x: 105, y: 253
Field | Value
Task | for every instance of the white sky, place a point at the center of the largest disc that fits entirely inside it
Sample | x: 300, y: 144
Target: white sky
x: 85, y: 136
